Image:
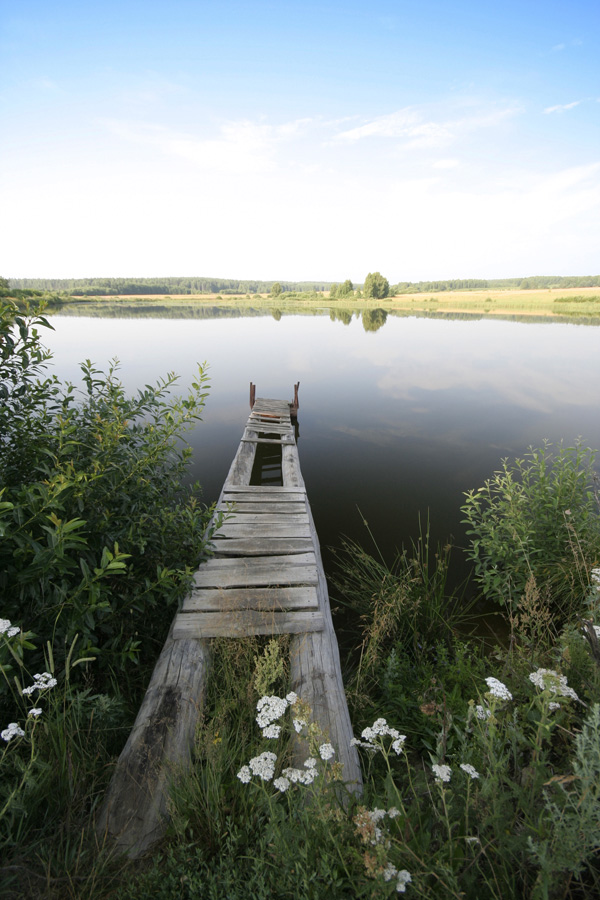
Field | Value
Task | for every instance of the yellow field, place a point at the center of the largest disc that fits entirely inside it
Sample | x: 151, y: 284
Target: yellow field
x: 555, y: 302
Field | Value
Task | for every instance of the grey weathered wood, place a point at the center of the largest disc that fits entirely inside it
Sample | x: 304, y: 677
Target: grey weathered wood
x: 134, y: 810
x: 241, y: 517
x: 256, y: 440
x: 316, y: 676
x: 241, y: 467
x: 244, y: 623
x: 281, y: 507
x: 207, y: 600
x: 237, y: 529
x: 245, y: 574
x: 270, y: 491
x: 261, y: 546
x: 290, y: 467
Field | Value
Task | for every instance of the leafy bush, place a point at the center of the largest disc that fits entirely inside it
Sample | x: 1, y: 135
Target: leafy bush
x: 537, y: 517
x: 97, y: 532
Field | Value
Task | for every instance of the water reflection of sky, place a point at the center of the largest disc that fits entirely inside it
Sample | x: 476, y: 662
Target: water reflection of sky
x: 396, y: 421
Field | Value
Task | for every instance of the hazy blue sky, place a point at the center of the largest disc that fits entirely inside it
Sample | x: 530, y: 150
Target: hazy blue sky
x: 299, y: 140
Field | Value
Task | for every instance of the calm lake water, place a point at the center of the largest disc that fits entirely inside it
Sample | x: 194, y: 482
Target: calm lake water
x: 393, y: 422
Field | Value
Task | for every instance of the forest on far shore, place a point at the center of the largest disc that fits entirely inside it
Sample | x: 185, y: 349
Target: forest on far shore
x: 93, y: 287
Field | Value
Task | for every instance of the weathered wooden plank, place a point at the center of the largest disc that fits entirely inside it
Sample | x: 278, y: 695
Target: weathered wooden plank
x: 267, y: 508
x: 266, y: 490
x: 263, y: 404
x: 254, y: 440
x: 135, y: 808
x: 242, y: 576
x: 290, y: 467
x: 223, y: 565
x: 288, y: 598
x: 241, y: 467
x: 239, y: 530
x: 260, y: 546
x: 316, y: 676
x: 244, y: 623
x: 240, y: 517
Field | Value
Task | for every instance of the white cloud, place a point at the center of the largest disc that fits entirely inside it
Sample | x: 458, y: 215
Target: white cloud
x: 446, y: 164
x: 562, y: 107
x: 422, y: 130
x: 240, y: 147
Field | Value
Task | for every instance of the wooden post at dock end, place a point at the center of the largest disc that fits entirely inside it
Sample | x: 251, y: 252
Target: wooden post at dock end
x: 252, y: 395
x: 295, y: 404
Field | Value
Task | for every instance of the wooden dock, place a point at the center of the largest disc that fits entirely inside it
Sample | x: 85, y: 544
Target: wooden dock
x: 266, y: 577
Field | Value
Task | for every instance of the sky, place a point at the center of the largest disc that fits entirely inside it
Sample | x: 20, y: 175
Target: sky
x: 299, y: 140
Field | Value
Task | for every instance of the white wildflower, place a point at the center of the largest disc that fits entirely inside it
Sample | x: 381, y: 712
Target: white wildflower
x: 326, y: 751
x: 393, y: 811
x: 355, y: 742
x: 41, y: 683
x: 552, y: 706
x: 299, y: 724
x: 443, y: 773
x: 372, y: 735
x: 35, y: 712
x: 263, y: 765
x: 281, y: 783
x: 403, y: 879
x: 300, y: 776
x: 377, y: 815
x: 12, y: 731
x: 595, y: 578
x: 8, y: 629
x: 470, y: 770
x: 397, y: 745
x: 310, y: 763
x: 271, y: 731
x: 549, y: 680
x: 269, y: 710
x: 245, y: 775
x: 497, y: 689
x: 292, y: 698
x: 389, y: 872
x: 482, y: 712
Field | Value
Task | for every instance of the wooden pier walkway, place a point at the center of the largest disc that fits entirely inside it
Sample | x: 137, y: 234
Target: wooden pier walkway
x: 266, y: 577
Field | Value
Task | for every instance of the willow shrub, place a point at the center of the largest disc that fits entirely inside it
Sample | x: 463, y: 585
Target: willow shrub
x: 537, y: 518
x: 99, y: 538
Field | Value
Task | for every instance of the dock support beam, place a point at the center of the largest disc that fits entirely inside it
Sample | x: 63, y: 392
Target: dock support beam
x: 134, y: 813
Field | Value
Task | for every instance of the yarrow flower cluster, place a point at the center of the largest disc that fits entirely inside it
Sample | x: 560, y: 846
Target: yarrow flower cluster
x: 326, y: 751
x: 443, y: 773
x: 482, y: 712
x: 549, y: 680
x: 270, y: 709
x: 8, y: 629
x: 12, y: 731
x: 595, y: 578
x: 497, y: 689
x: 41, y: 683
x: 402, y: 877
x: 470, y: 770
x: 264, y: 767
x: 379, y: 729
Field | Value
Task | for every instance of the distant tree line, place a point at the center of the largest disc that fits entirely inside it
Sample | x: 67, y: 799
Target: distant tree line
x: 535, y: 282
x: 375, y: 285
x: 93, y: 287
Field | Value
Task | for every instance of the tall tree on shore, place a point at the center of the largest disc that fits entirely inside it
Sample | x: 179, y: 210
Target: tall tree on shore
x: 376, y: 286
